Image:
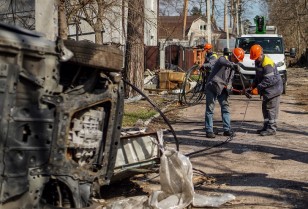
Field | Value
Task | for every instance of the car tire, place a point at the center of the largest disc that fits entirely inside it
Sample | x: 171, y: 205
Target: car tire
x: 95, y: 55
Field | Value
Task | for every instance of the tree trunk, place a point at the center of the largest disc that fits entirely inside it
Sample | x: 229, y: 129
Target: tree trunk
x: 134, y: 55
x: 63, y: 28
x: 233, y: 15
x: 213, y: 20
x: 98, y: 26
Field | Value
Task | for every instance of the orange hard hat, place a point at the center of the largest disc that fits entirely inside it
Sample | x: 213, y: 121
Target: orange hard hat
x: 254, y: 91
x: 207, y: 46
x: 255, y: 52
x: 239, y: 54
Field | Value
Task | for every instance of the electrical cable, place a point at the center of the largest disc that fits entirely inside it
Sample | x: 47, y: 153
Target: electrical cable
x: 157, y: 109
x: 230, y: 138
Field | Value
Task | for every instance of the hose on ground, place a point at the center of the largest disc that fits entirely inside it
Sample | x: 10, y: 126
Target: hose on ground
x: 157, y: 109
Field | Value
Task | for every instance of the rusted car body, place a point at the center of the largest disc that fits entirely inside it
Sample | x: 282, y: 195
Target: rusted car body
x: 60, y: 121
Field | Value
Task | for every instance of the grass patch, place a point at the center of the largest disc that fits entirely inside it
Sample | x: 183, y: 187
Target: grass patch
x: 131, y: 117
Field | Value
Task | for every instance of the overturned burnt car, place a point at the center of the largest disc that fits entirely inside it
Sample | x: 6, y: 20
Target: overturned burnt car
x: 60, y: 121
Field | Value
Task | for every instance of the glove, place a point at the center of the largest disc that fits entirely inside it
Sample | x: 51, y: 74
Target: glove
x: 254, y: 91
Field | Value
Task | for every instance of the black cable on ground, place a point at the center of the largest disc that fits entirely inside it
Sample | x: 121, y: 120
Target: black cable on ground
x: 157, y: 109
x: 230, y: 138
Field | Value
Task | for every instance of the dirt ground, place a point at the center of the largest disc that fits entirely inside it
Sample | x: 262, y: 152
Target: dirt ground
x: 262, y: 172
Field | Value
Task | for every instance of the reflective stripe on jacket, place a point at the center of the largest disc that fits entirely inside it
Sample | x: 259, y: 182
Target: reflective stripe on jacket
x: 210, y: 60
x: 268, y: 79
x: 210, y: 56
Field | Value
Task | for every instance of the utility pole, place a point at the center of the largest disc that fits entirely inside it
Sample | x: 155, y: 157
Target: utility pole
x: 184, y: 17
x: 46, y: 18
x: 162, y: 58
x: 239, y: 6
x: 226, y: 27
x: 209, y: 26
x: 237, y: 18
x: 236, y: 13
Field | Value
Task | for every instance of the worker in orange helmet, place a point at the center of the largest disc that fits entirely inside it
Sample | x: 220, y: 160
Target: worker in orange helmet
x: 210, y: 58
x: 218, y: 87
x: 269, y: 84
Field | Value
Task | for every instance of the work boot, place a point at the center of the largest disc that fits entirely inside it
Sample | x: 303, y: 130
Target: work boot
x: 260, y: 130
x: 268, y: 133
x: 210, y: 135
x: 229, y: 133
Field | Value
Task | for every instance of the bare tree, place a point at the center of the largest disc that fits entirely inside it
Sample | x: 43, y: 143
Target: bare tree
x: 134, y: 54
x: 98, y: 14
x: 95, y: 13
x: 20, y: 13
x: 213, y: 19
x: 170, y: 7
x: 291, y: 17
x: 244, y: 8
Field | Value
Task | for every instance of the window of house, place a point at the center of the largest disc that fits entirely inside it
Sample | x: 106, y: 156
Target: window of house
x: 202, y: 27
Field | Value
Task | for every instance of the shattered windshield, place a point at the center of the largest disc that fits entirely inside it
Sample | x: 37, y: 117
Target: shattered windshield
x: 270, y: 45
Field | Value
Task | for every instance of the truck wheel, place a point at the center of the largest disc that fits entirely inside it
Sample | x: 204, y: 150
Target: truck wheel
x: 284, y: 88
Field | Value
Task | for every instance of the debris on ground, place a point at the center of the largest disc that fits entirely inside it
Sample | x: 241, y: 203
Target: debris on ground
x: 164, y: 80
x: 177, y: 188
x: 138, y: 151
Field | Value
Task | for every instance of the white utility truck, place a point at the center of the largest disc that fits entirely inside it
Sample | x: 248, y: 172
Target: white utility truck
x: 272, y: 45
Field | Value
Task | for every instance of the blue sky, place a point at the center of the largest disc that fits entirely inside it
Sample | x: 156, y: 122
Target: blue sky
x: 252, y: 10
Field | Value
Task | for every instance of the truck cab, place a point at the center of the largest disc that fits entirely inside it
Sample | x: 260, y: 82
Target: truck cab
x: 272, y: 45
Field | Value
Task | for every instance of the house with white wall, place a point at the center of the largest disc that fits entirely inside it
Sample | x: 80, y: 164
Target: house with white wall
x: 115, y: 23
x: 170, y: 28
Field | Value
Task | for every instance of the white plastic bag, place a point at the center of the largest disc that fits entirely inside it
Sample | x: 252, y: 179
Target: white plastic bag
x: 177, y: 189
x: 212, y: 201
x: 128, y: 203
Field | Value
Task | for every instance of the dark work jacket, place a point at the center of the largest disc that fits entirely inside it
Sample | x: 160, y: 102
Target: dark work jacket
x: 210, y: 60
x: 210, y: 56
x: 268, y: 80
x: 221, y: 76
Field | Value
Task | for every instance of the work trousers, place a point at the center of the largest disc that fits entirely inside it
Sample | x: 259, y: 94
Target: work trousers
x: 270, y: 110
x: 211, y: 98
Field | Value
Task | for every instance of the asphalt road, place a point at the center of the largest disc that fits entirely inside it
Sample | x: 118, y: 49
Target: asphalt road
x: 262, y: 172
